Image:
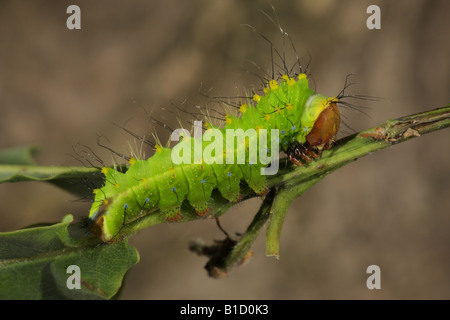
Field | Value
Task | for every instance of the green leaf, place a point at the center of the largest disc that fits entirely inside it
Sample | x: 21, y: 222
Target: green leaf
x: 78, y: 180
x: 17, y: 165
x: 34, y: 262
x: 19, y: 155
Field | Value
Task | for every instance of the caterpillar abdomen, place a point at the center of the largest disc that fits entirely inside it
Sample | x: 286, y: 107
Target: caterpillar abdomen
x: 289, y: 114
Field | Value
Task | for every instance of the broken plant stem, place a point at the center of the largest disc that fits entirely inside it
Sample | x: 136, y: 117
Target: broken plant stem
x: 280, y: 206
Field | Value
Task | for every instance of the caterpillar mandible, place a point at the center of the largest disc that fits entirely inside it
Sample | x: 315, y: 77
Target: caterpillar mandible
x: 288, y: 113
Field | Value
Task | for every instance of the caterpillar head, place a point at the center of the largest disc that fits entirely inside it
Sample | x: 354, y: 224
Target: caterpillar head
x: 322, y: 117
x: 326, y: 126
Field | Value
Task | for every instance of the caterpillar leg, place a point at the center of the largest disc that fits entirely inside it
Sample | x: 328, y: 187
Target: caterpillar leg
x: 201, y: 209
x: 203, y: 213
x: 263, y: 192
x: 301, y: 152
x: 294, y: 160
x: 307, y: 153
x: 173, y: 214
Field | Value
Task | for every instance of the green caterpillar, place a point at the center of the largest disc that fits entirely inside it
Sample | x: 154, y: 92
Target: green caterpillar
x: 295, y: 120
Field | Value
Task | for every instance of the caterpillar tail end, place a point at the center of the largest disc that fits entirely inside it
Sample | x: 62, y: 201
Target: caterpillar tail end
x: 98, y: 224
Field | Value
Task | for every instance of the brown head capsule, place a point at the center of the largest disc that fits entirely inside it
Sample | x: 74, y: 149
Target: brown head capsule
x: 326, y: 126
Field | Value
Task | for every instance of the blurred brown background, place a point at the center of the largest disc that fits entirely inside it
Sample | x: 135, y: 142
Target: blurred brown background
x: 59, y: 87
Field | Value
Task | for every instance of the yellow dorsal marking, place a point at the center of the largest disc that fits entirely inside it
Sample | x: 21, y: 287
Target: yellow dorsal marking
x: 256, y: 98
x: 95, y: 191
x: 105, y: 201
x: 104, y: 170
x: 227, y: 119
x: 278, y: 110
x: 333, y: 99
x: 267, y: 116
x: 328, y: 101
x: 266, y: 90
x: 289, y: 106
x: 132, y: 161
x: 290, y: 81
x: 243, y: 108
x: 158, y: 148
x: 273, y: 84
x: 302, y: 76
